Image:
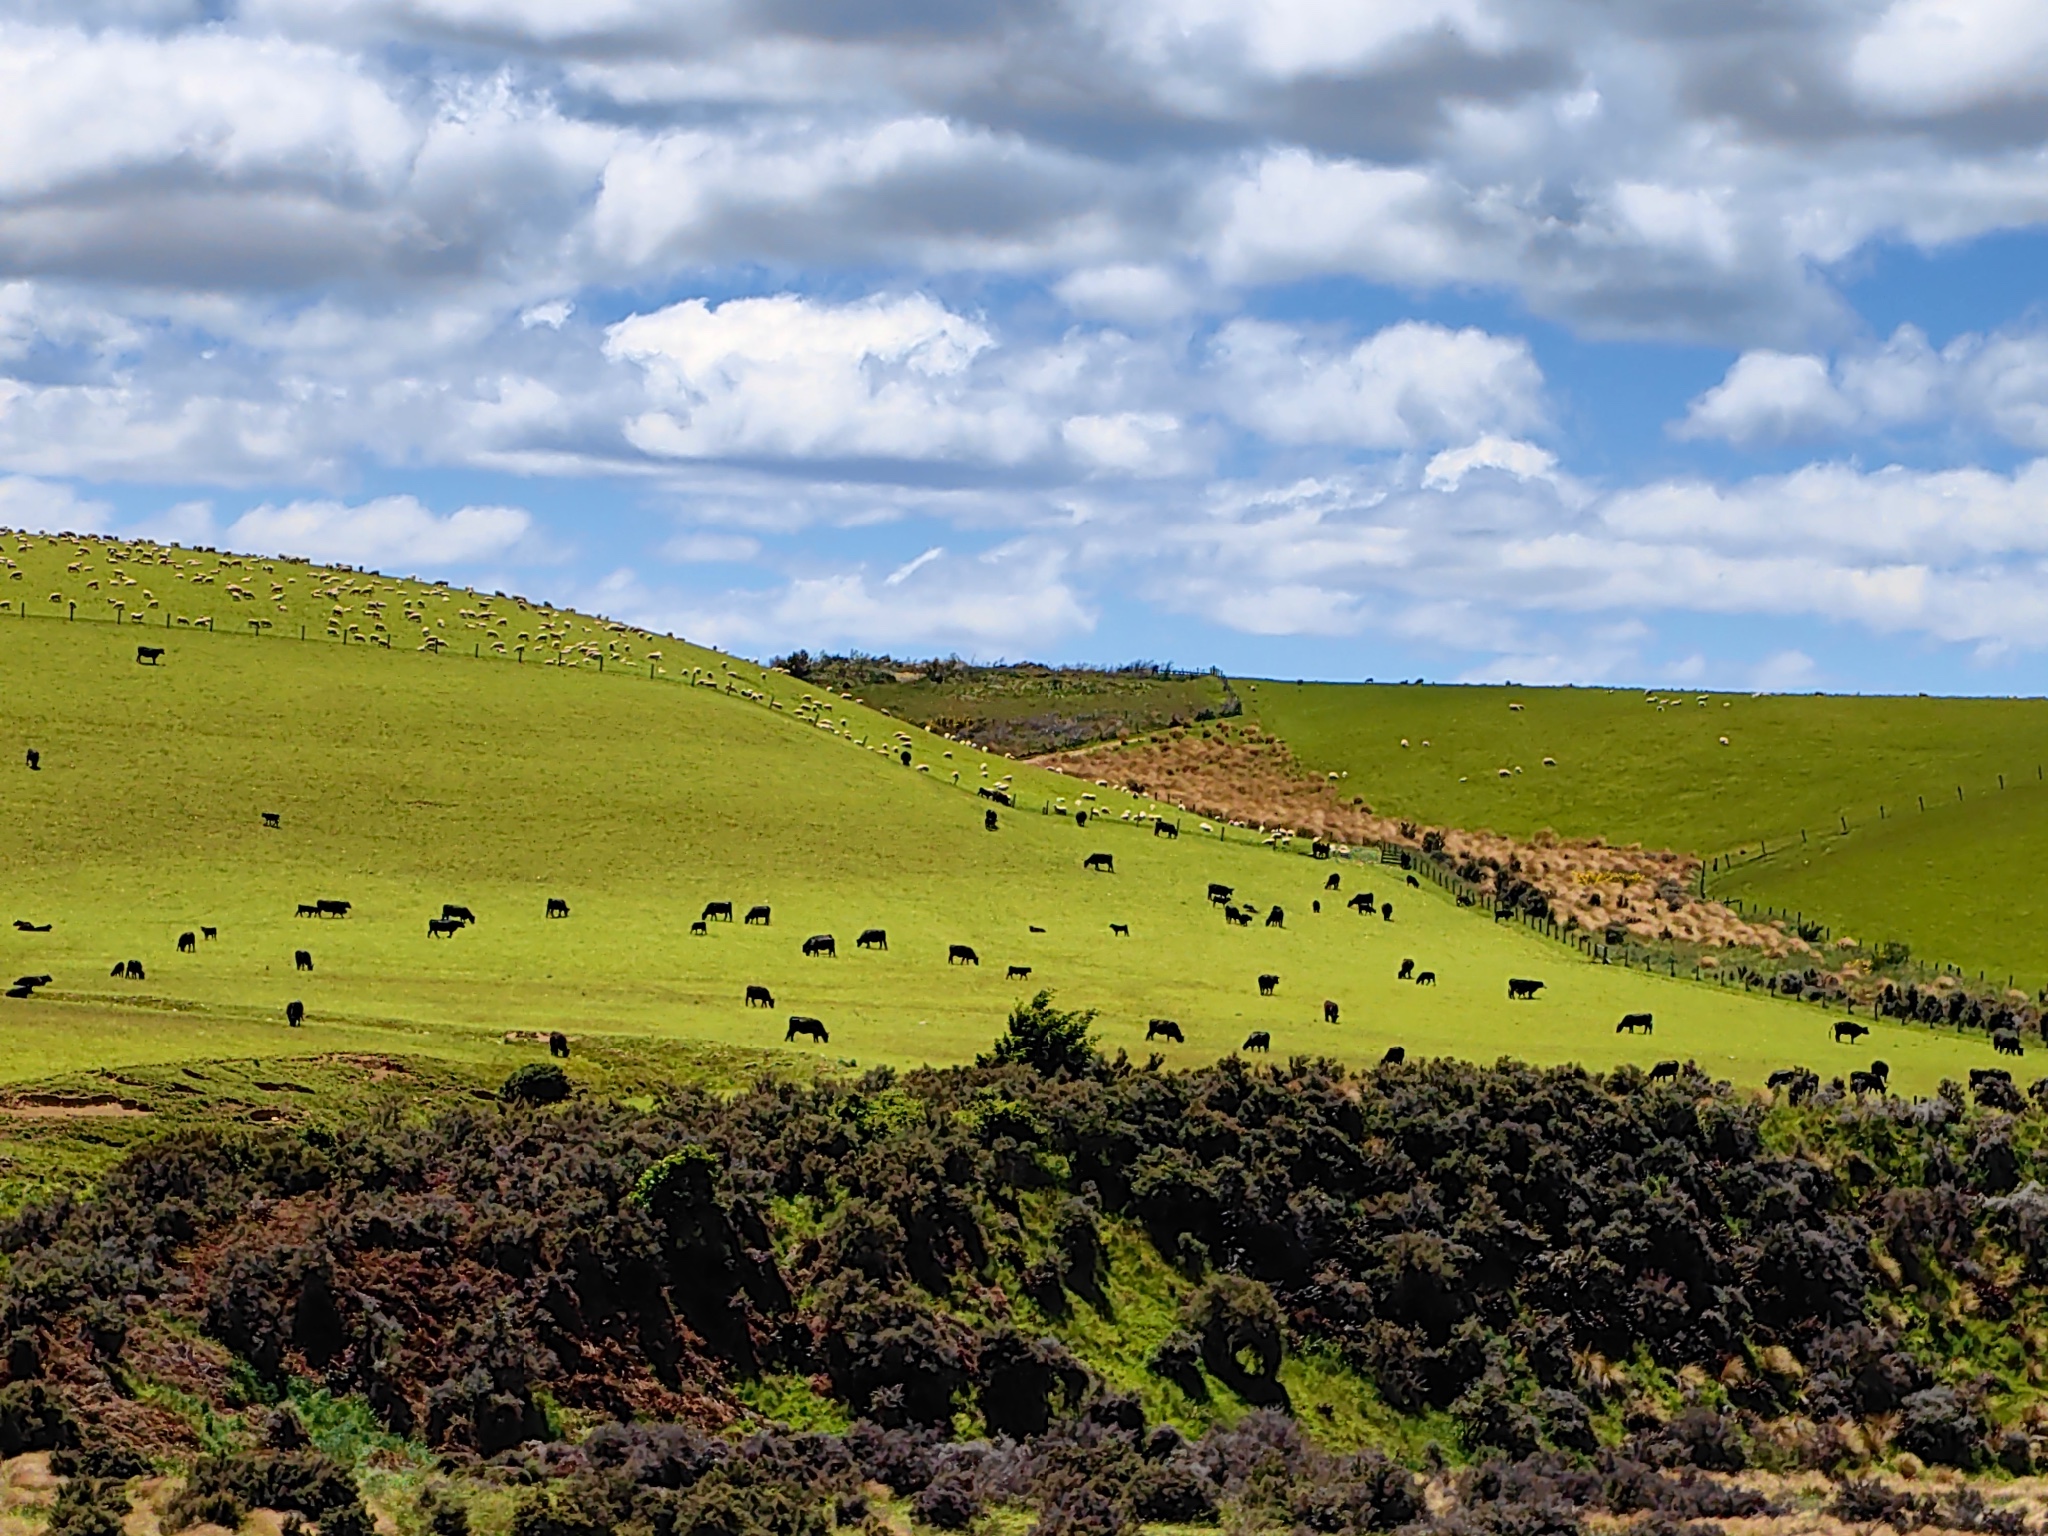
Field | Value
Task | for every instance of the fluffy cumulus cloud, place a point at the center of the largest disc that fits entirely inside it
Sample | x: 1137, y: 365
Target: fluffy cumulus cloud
x: 1090, y: 303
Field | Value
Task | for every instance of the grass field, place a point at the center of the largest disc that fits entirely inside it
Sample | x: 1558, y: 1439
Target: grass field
x: 404, y: 780
x: 1628, y: 770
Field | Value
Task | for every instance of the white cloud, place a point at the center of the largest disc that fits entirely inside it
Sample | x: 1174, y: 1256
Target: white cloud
x: 1769, y: 395
x: 40, y: 506
x: 1525, y: 461
x: 1409, y: 384
x: 394, y: 532
x: 1930, y: 56
x: 1133, y: 294
x: 711, y: 548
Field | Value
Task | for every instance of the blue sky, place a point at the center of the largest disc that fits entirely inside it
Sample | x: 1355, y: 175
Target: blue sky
x: 1552, y: 340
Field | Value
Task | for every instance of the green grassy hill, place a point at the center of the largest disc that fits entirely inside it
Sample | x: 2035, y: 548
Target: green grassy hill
x: 1652, y: 767
x: 405, y: 779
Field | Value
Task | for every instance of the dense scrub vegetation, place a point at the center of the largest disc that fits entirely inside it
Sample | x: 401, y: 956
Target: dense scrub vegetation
x: 1592, y: 1289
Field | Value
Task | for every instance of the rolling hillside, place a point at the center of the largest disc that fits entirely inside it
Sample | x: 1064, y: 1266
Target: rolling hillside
x: 405, y: 779
x: 1652, y: 767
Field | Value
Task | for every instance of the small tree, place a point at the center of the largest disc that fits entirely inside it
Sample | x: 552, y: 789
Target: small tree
x: 538, y: 1082
x: 1049, y: 1040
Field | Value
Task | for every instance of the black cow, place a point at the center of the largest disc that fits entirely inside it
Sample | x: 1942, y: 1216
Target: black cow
x: 1387, y: 911
x: 1101, y: 861
x: 557, y: 907
x: 1631, y: 1022
x: 988, y: 821
x: 1362, y: 904
x: 28, y: 927
x: 558, y: 1045
x: 295, y: 1013
x: 1320, y: 850
x: 1080, y: 818
x: 814, y: 1028
x: 2007, y: 1042
x: 1861, y: 1083
x: 905, y: 756
x: 31, y: 982
x: 331, y: 908
x: 208, y: 933
x: 1276, y: 918
x: 134, y: 970
x: 716, y: 911
x: 1406, y: 972
x: 1258, y: 1040
x: 306, y: 911
x: 187, y: 942
x: 1415, y: 882
x: 1315, y: 906
x: 457, y: 914
x: 1017, y: 973
x: 1219, y: 895
x: 961, y: 954
x: 698, y: 930
x: 270, y: 819
x: 35, y: 760
x: 1242, y: 919
x: 1034, y: 927
x: 1849, y: 1029
x: 821, y: 944
x: 1881, y: 1068
x: 1165, y: 829
x: 760, y: 997
x: 1331, y: 883
x: 302, y: 959
x: 1156, y: 1029
x: 1799, y: 1083
x: 150, y: 654
x: 1120, y: 930
x: 758, y: 915
x: 1425, y: 978
x: 1522, y: 987
x: 1664, y: 1069
x: 1978, y: 1075
x: 1267, y: 983
x: 872, y: 938
x: 1329, y: 1011
x: 119, y: 969
x: 442, y: 927
x: 1394, y: 1057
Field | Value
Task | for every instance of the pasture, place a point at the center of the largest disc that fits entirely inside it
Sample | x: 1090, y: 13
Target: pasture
x: 404, y: 780
x: 1629, y: 770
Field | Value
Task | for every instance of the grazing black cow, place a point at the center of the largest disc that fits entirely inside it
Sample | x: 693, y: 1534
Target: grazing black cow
x: 187, y: 942
x: 760, y: 997
x: 1331, y: 883
x: 1315, y: 906
x: 558, y: 1045
x: 1258, y: 1040
x: 1861, y: 1083
x: 331, y: 908
x: 1101, y: 861
x: 758, y: 915
x: 1664, y: 1069
x: 306, y: 911
x: 1881, y: 1068
x: 20, y: 992
x: 295, y: 1013
x: 31, y: 982
x: 1240, y: 917
x: 821, y: 944
x: 1080, y: 818
x: 1017, y: 973
x: 1219, y: 895
x: 1329, y: 1011
x: 120, y: 969
x: 1394, y: 1057
x: 557, y: 907
x: 1407, y: 971
x: 961, y: 954
x: 302, y: 959
x: 698, y: 930
x: 149, y: 654
x: 28, y: 927
x: 1415, y: 882
x: 814, y: 1028
x: 1034, y: 928
x: 1850, y: 1030
x: 134, y: 970
x: 442, y: 927
x: 270, y: 819
x: 716, y: 911
x: 2007, y: 1042
x: 1631, y: 1022
x: 1425, y: 978
x: 1276, y: 918
x: 878, y: 938
x: 1164, y: 1028
x: 988, y: 821
x: 1165, y: 829
x: 1522, y: 987
x: 1362, y: 904
x: 457, y: 914
x: 1120, y: 930
x: 35, y: 760
x: 1267, y: 983
x: 208, y: 933
x: 1387, y: 911
x: 1982, y: 1075
x: 1798, y: 1082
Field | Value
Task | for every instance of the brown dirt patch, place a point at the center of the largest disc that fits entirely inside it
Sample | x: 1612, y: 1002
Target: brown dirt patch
x: 69, y: 1106
x: 1239, y: 775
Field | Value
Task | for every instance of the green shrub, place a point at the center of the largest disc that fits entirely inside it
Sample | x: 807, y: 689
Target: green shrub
x: 538, y: 1082
x: 1049, y: 1040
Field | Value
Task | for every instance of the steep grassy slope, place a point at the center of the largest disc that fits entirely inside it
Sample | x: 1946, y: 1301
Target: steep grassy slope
x: 405, y: 780
x: 1629, y: 770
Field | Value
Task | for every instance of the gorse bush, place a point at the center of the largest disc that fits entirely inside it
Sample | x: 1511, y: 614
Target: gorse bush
x: 538, y: 1082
